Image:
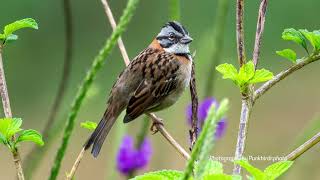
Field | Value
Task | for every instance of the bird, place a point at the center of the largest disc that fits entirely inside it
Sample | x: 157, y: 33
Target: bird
x: 154, y: 80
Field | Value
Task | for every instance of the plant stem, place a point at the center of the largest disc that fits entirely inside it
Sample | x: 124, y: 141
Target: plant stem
x: 76, y: 164
x: 114, y: 25
x: 240, y: 32
x: 282, y: 75
x: 174, y: 10
x: 303, y: 148
x: 259, y: 31
x: 169, y: 138
x: 8, y: 114
x: 195, y: 102
x: 96, y: 66
x: 217, y: 44
x: 243, y: 128
x: 247, y: 97
x: 30, y: 159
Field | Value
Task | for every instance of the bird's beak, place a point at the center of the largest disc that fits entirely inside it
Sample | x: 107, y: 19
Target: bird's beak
x: 186, y: 40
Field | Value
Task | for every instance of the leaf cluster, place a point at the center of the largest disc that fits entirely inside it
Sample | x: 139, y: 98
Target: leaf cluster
x: 300, y: 37
x: 10, y: 127
x: 245, y: 76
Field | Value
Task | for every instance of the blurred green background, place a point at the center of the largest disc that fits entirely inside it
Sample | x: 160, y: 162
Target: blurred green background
x: 34, y: 65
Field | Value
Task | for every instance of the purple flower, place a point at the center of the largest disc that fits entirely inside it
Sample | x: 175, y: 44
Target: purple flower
x: 203, y: 109
x: 130, y: 158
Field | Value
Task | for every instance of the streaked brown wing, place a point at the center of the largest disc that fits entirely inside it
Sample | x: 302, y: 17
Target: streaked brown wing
x: 159, y: 81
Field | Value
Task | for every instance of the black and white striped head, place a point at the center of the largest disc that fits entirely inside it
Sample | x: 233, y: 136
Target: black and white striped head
x: 174, y: 38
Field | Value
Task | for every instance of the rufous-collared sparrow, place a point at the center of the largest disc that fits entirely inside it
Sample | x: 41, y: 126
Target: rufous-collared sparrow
x: 153, y: 80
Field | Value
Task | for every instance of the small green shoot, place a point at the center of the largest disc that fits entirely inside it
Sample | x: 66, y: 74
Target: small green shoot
x: 246, y: 75
x: 9, y: 29
x: 10, y: 127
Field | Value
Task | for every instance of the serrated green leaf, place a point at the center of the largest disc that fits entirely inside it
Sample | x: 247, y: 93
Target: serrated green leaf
x: 255, y: 172
x: 275, y: 170
x: 89, y: 125
x: 160, y: 175
x: 246, y: 72
x: 23, y: 23
x: 228, y: 71
x: 296, y: 36
x: 30, y: 135
x: 288, y: 54
x: 313, y: 38
x: 261, y: 75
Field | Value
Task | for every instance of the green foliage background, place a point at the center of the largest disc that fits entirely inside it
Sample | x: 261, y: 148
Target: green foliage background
x: 34, y: 66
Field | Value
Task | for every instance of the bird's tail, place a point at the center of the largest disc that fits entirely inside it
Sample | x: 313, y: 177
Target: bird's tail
x: 100, y: 133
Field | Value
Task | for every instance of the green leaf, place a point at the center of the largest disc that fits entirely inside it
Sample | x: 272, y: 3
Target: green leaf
x: 255, y: 172
x: 261, y: 75
x: 313, y: 37
x: 296, y: 36
x: 89, y: 125
x: 30, y: 135
x: 288, y: 54
x: 246, y: 72
x: 23, y: 23
x: 10, y: 126
x: 275, y: 170
x: 2, y: 139
x: 228, y: 71
x: 160, y: 175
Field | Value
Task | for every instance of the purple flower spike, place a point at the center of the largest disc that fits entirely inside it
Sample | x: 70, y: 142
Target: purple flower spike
x: 203, y: 109
x: 129, y: 158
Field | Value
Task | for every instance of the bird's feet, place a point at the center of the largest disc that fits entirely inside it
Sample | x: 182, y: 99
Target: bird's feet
x: 154, y: 127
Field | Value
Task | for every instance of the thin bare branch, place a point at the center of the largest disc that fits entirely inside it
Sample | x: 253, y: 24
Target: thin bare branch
x: 169, y: 138
x: 269, y: 84
x: 8, y: 114
x: 194, y: 99
x: 240, y: 32
x: 75, y: 165
x: 303, y: 148
x: 259, y: 31
x: 113, y: 25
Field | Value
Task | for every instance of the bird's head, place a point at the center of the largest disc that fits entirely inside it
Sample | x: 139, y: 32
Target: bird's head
x: 174, y: 38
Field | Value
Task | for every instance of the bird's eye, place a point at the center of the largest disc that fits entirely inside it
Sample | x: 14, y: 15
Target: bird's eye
x: 171, y: 37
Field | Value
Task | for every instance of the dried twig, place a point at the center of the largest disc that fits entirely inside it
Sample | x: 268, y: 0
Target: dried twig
x: 169, y: 138
x: 303, y: 148
x: 194, y: 99
x: 8, y: 114
x: 240, y: 32
x: 259, y: 31
x: 113, y: 25
x: 75, y: 165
